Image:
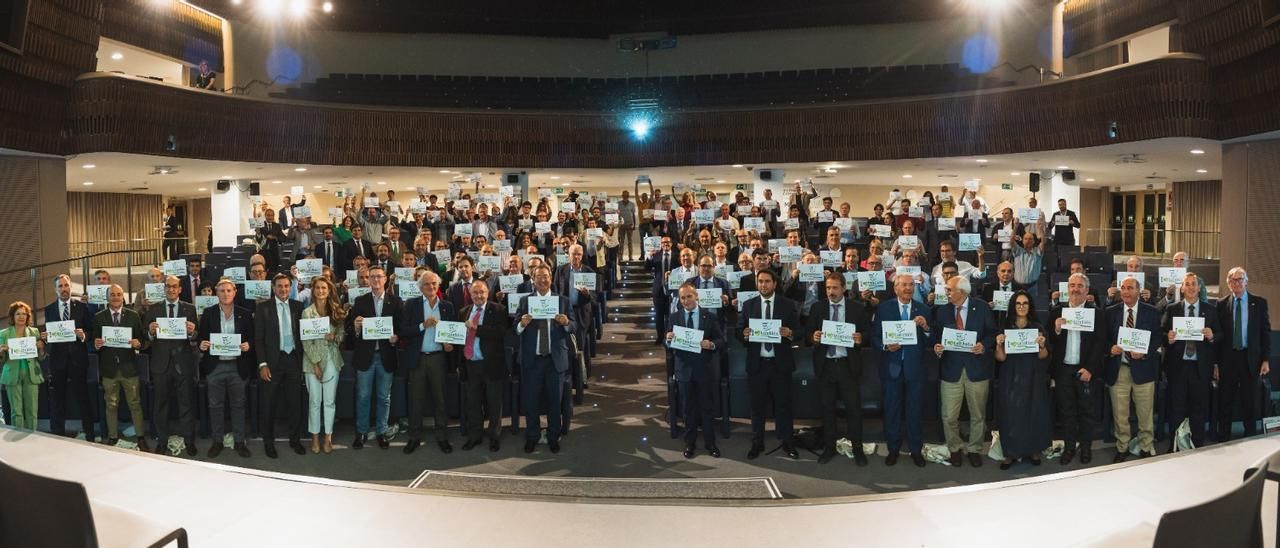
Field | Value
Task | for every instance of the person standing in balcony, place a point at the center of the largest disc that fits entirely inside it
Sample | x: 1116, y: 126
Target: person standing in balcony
x: 205, y: 79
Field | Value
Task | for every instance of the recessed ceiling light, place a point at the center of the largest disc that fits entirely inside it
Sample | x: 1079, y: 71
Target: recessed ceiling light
x: 1063, y: 167
x: 444, y: 171
x: 1202, y: 171
x: 382, y: 182
x: 719, y: 180
x: 270, y: 194
x: 555, y: 177
x: 201, y: 189
x: 88, y: 166
x: 88, y: 183
x: 1015, y: 173
x: 737, y: 165
x: 981, y: 160
x: 327, y: 7
x: 1090, y: 180
x: 299, y: 169
x: 1197, y: 151
x: 117, y: 56
x: 907, y: 176
x: 566, y: 184
x: 276, y: 182
x: 317, y: 186
x: 226, y: 177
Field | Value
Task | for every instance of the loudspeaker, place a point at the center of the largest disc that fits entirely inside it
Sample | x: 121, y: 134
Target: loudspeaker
x: 253, y: 188
x: 1068, y: 175
x: 515, y: 178
x: 224, y: 185
x: 1034, y: 182
x: 770, y: 175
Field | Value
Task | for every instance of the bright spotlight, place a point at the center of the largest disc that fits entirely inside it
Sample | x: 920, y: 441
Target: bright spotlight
x: 271, y: 8
x: 992, y: 5
x: 298, y: 8
x: 327, y: 7
x: 639, y: 128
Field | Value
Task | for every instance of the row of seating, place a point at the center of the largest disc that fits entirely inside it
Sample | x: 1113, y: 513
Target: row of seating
x: 690, y: 91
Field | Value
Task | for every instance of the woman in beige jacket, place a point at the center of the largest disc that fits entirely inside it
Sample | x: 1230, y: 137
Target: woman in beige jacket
x: 322, y: 359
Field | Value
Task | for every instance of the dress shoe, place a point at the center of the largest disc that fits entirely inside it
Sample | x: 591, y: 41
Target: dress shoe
x: 755, y: 451
x: 891, y: 459
x: 956, y: 459
x: 358, y: 443
x: 714, y: 451
x: 494, y: 446
x: 159, y: 450
x: 191, y: 448
x: 1086, y: 454
x: 315, y: 444
x: 1067, y: 455
x: 215, y: 450
x: 554, y: 445
x: 688, y: 451
x: 918, y: 459
x: 142, y: 444
x: 242, y: 450
x: 1006, y: 464
x: 790, y: 450
x: 411, y: 446
x: 860, y: 458
x: 975, y: 460
x: 296, y: 445
x: 328, y: 444
x: 471, y: 444
x: 270, y: 449
x: 1146, y: 454
x: 529, y: 445
x: 111, y: 441
x: 383, y: 442
x: 826, y: 456
x: 1035, y: 461
x: 445, y: 446
x: 1120, y: 456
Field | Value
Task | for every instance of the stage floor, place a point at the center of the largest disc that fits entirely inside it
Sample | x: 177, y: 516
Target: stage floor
x: 1114, y: 505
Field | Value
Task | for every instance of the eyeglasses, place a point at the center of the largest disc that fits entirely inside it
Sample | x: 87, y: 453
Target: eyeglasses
x: 1023, y: 303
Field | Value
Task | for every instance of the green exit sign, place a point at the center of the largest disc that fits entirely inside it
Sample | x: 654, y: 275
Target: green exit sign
x: 557, y: 190
x: 739, y: 187
x: 1006, y: 186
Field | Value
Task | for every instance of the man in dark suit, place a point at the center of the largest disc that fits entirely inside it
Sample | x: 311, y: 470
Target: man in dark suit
x: 172, y: 234
x: 484, y: 366
x: 697, y: 373
x: 1244, y: 348
x: 659, y: 264
x: 173, y: 367
x: 706, y: 279
x: 1003, y: 282
x: 375, y: 359
x: 118, y: 366
x: 1188, y: 365
x: 69, y: 361
x: 839, y: 368
x: 1076, y: 365
x: 329, y: 251
x: 1132, y: 375
x: 1064, y: 224
x: 770, y: 365
x: 355, y: 247
x: 965, y: 375
x: 581, y: 299
x: 430, y: 360
x: 544, y: 361
x: 279, y: 343
x: 196, y: 275
x: 226, y: 376
x: 270, y: 236
x: 901, y: 370
x: 459, y: 293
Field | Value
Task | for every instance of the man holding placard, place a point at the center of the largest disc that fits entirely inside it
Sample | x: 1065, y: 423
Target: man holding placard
x: 901, y: 332
x: 68, y: 357
x: 694, y: 338
x: 1171, y: 281
x: 544, y: 330
x: 372, y: 325
x: 1065, y: 224
x: 420, y: 324
x: 965, y: 367
x: 279, y: 342
x: 659, y: 263
x: 837, y: 324
x: 172, y: 326
x: 767, y: 326
x: 577, y: 282
x: 118, y: 337
x: 713, y: 291
x: 484, y: 370
x: 1191, y: 327
x: 228, y: 361
x: 1132, y: 370
x: 1079, y: 344
x: 1132, y: 269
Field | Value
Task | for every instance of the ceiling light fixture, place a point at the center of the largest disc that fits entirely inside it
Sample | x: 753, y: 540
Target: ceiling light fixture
x: 1015, y: 173
x: 201, y: 189
x: 327, y: 7
x: 1063, y: 167
x: 1202, y: 171
x: 88, y: 183
x: 1197, y: 151
x: 907, y: 176
x: 276, y: 182
x: 299, y: 169
x: 88, y: 166
x: 737, y: 165
x: 981, y: 160
x: 117, y: 56
x: 445, y: 171
x: 1090, y: 180
x: 555, y: 177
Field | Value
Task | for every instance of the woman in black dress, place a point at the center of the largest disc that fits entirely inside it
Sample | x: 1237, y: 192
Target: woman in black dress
x: 1024, y: 408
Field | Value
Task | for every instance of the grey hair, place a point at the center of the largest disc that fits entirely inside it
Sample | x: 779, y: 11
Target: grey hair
x: 1082, y: 277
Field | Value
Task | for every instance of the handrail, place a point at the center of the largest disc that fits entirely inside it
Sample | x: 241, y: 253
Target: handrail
x: 67, y: 260
x: 34, y: 270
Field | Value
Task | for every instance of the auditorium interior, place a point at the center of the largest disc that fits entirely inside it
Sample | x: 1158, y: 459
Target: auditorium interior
x: 1083, y: 141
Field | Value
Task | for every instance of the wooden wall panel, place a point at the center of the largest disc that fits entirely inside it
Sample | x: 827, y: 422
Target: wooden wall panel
x: 1162, y: 98
x: 1093, y: 23
x: 169, y: 28
x: 1261, y: 221
x: 113, y: 221
x: 1197, y: 217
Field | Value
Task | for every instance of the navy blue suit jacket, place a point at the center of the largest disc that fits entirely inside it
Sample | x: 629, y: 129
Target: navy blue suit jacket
x: 411, y: 318
x: 1145, y: 370
x: 721, y: 283
x: 981, y: 320
x: 72, y: 352
x: 1258, y: 337
x: 559, y: 336
x: 783, y: 309
x: 906, y: 362
x: 698, y: 366
x: 1206, y: 353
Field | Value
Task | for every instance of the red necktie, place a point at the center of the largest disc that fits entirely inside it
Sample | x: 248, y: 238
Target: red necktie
x: 466, y: 294
x: 471, y: 336
x: 959, y: 319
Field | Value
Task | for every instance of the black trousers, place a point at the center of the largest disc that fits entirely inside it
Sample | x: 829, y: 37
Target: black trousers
x: 840, y: 378
x: 660, y: 311
x: 698, y: 404
x: 68, y: 378
x: 285, y: 389
x: 484, y: 401
x: 427, y: 379
x: 1078, y: 408
x: 172, y: 387
x: 1189, y: 397
x: 770, y: 383
x: 1236, y: 383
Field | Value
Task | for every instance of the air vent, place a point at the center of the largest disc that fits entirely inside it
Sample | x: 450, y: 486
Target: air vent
x: 705, y: 179
x: 947, y: 176
x: 137, y: 188
x: 821, y: 177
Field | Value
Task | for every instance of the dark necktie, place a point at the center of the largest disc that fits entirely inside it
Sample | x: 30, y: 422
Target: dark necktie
x: 1128, y: 322
x: 172, y: 312
x: 115, y: 319
x: 1190, y: 351
x: 328, y: 253
x: 689, y: 322
x: 1237, y: 332
x: 66, y: 312
x: 768, y: 314
x: 544, y: 337
x: 835, y: 317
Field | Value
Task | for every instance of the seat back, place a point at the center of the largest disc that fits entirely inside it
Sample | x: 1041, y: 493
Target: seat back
x: 1233, y: 520
x: 27, y: 517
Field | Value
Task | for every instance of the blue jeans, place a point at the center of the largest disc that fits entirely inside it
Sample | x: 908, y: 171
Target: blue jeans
x: 364, y: 391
